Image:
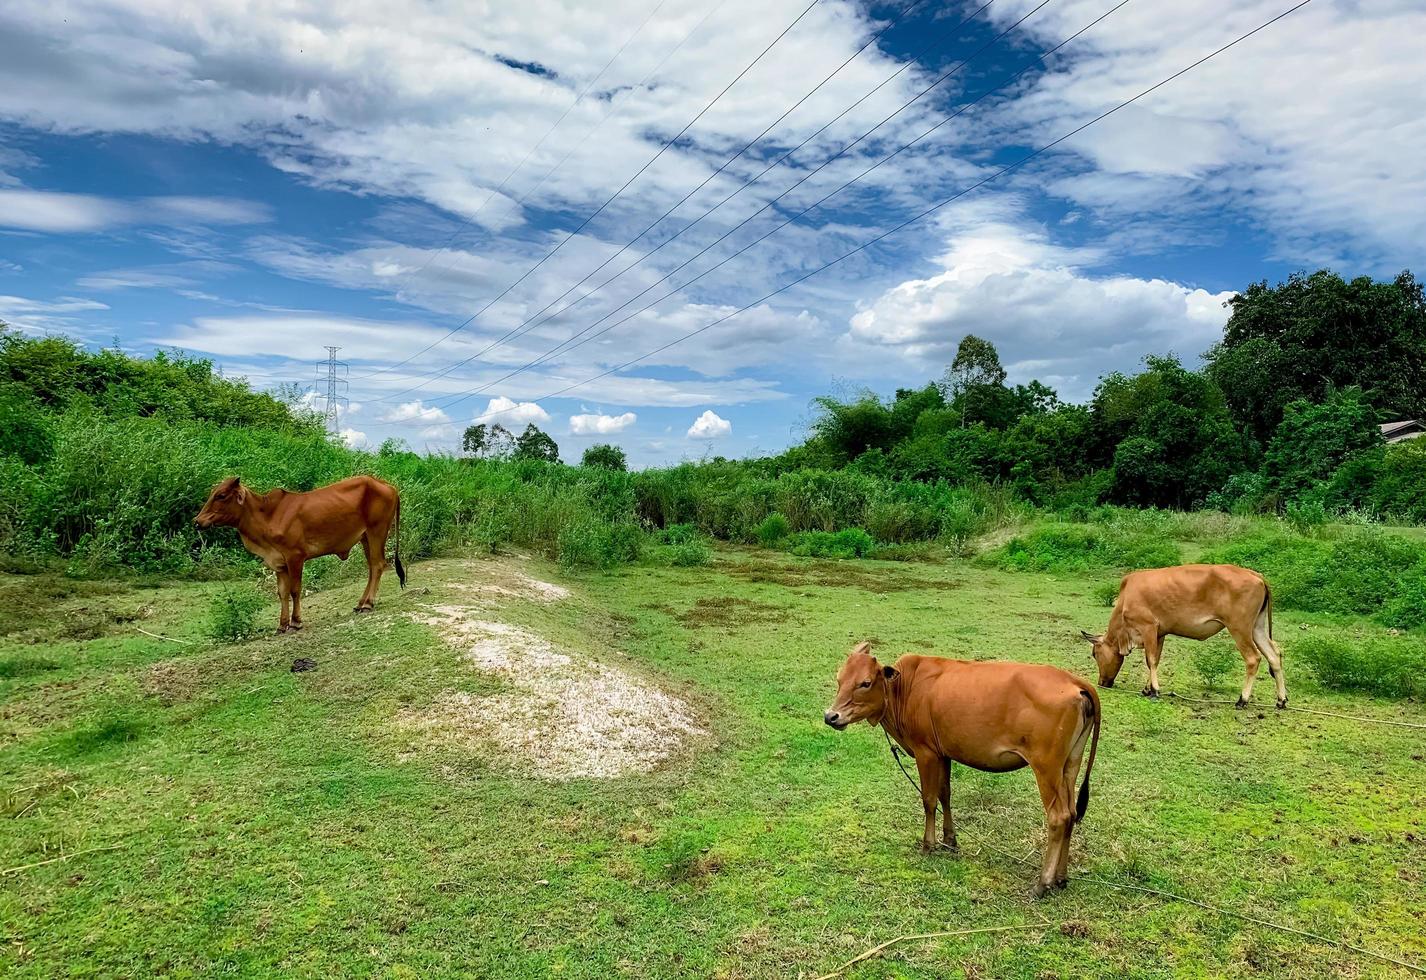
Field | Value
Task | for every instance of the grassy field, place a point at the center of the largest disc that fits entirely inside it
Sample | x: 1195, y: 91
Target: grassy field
x: 265, y: 822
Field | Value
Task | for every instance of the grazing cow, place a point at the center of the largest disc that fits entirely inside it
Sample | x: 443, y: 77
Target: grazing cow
x: 285, y: 529
x: 992, y: 716
x: 1195, y: 601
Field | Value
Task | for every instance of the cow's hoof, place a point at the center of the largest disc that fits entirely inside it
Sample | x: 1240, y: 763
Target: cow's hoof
x: 362, y: 609
x: 1038, y: 889
x: 1282, y: 704
x: 951, y: 847
x: 1149, y: 692
x: 1242, y: 702
x: 284, y: 628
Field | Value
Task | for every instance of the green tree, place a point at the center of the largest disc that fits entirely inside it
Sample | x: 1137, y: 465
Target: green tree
x: 605, y: 457
x: 1313, y: 441
x: 487, y: 441
x: 1167, y: 433
x: 1314, y: 333
x: 534, y: 443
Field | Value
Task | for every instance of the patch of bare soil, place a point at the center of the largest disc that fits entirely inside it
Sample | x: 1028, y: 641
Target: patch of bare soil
x: 837, y: 574
x: 512, y: 585
x: 723, y: 611
x: 560, y: 715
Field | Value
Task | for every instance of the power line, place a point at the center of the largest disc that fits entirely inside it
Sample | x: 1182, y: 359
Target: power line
x: 518, y: 329
x: 1017, y: 164
x: 566, y: 345
x: 610, y: 200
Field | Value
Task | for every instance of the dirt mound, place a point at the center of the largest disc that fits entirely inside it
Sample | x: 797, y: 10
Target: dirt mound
x: 513, y: 585
x: 558, y: 716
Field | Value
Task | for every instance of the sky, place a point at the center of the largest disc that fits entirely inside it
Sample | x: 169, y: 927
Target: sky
x: 513, y: 213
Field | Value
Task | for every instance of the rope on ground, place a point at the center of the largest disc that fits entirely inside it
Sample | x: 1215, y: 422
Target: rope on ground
x: 170, y: 639
x: 62, y: 857
x: 1266, y: 923
x: 929, y: 935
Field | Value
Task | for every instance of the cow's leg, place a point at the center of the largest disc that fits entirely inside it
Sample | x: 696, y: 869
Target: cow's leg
x: 1153, y: 649
x: 1252, y: 660
x: 1070, y: 783
x: 1269, y: 649
x: 365, y: 603
x: 1058, y: 816
x: 374, y: 543
x: 294, y: 574
x: 933, y: 777
x: 284, y: 597
x: 948, y: 825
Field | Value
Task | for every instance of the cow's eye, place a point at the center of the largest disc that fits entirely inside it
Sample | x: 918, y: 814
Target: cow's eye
x: 865, y: 684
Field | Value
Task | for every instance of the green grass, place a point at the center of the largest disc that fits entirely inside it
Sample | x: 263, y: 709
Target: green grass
x: 272, y: 823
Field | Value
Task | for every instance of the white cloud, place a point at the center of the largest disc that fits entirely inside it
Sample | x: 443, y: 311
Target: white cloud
x: 1044, y: 312
x: 710, y: 426
x: 354, y: 438
x: 66, y: 213
x: 414, y: 411
x: 38, y: 316
x: 600, y: 425
x: 509, y: 413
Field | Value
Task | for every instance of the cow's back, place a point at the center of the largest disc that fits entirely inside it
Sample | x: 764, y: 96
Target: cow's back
x: 1182, y: 596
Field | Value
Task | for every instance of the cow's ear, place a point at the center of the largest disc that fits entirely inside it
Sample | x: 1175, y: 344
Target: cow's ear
x: 242, y: 497
x: 889, y: 672
x: 1090, y: 636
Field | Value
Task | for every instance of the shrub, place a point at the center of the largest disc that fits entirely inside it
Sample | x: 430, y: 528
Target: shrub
x: 1407, y: 609
x: 850, y: 542
x: 589, y: 543
x: 605, y: 456
x: 1106, y: 593
x: 1390, y: 666
x: 233, y: 613
x: 688, y: 554
x: 1212, y: 662
x: 678, y: 534
x: 1305, y: 515
x: 1077, y: 547
x: 772, y: 530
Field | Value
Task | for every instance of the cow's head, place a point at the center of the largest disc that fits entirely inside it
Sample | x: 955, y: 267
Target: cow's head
x: 1107, y: 655
x: 224, y: 506
x: 861, y: 689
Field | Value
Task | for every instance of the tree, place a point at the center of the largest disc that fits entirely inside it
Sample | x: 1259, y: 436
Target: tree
x: 1168, y: 434
x: 605, y: 457
x: 1313, y: 441
x: 536, y: 444
x: 1315, y: 333
x: 975, y: 385
x: 488, y: 441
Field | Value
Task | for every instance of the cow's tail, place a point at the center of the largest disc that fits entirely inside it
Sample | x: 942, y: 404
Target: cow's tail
x: 396, y: 550
x: 1092, y: 716
x: 1268, y: 606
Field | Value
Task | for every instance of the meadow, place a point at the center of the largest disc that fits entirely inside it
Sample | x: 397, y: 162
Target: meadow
x: 215, y: 812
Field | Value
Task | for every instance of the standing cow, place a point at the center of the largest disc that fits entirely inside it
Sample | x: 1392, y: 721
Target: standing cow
x: 286, y: 529
x: 993, y: 716
x: 1195, y: 601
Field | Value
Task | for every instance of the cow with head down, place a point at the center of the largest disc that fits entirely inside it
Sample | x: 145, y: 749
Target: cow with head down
x: 286, y: 529
x: 994, y: 716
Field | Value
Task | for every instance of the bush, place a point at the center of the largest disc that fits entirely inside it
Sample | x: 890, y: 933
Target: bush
x: 1077, y: 547
x: 850, y: 542
x: 1305, y: 515
x: 688, y: 554
x: 1212, y: 662
x: 589, y: 543
x: 678, y: 534
x: 1106, y: 593
x: 772, y: 530
x: 1407, y: 609
x: 605, y: 456
x: 233, y: 613
x: 1391, y: 667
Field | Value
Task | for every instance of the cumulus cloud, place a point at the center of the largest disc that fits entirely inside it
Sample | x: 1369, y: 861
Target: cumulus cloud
x: 709, y: 426
x: 415, y: 411
x: 600, y: 425
x: 354, y: 438
x: 509, y: 412
x: 55, y: 212
x: 1048, y: 316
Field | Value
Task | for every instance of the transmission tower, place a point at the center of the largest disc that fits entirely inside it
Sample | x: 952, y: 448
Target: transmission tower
x: 332, y: 374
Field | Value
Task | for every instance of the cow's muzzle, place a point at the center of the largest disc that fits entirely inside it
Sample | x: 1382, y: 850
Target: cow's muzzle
x: 835, y: 720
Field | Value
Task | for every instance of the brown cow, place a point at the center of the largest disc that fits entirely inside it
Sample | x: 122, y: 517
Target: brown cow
x: 993, y: 716
x: 285, y: 529
x: 1195, y: 601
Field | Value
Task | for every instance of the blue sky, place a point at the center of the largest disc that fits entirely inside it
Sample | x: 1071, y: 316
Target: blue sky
x: 253, y: 181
